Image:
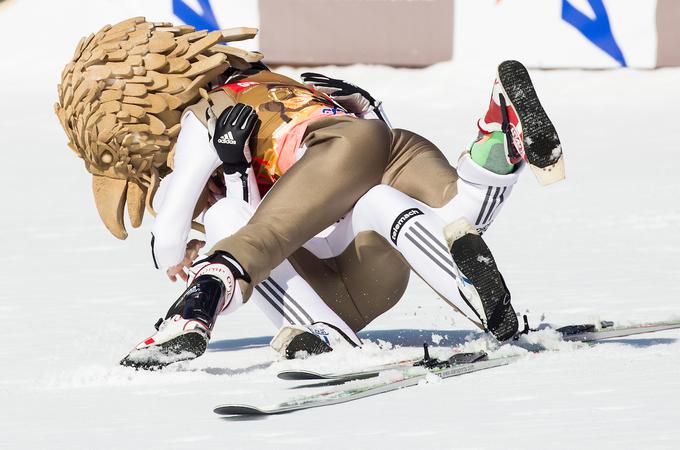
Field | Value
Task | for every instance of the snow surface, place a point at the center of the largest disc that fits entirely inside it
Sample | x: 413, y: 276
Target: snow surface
x: 602, y: 244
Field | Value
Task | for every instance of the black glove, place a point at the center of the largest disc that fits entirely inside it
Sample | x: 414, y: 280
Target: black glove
x: 348, y: 95
x: 232, y: 133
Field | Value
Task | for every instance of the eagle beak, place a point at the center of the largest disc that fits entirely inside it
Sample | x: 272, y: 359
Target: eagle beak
x: 110, y: 196
x: 136, y: 196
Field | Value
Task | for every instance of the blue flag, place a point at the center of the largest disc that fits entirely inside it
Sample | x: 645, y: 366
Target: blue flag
x: 204, y: 21
x: 598, y: 30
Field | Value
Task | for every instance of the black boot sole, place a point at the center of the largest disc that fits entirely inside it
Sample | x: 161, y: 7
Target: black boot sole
x: 306, y: 342
x: 473, y: 257
x: 182, y: 348
x: 541, y: 143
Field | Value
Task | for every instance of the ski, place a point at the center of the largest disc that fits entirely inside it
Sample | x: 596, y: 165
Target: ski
x: 608, y: 330
x: 581, y: 333
x: 388, y: 380
x: 390, y: 377
x: 370, y: 372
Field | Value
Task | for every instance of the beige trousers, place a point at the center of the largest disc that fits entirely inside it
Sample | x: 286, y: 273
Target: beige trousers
x: 345, y: 158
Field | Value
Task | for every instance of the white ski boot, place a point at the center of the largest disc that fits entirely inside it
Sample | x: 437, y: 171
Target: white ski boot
x: 300, y: 341
x: 185, y: 331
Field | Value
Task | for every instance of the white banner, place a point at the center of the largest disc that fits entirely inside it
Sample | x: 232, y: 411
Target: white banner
x: 557, y: 33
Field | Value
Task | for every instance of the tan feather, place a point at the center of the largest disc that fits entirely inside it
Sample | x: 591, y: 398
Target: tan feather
x: 154, y: 61
x: 238, y: 34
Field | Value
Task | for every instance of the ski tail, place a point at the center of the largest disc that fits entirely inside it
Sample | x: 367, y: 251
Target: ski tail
x: 542, y: 147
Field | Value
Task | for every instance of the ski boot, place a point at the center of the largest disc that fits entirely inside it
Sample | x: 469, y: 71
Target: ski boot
x: 185, y: 331
x: 480, y: 283
x: 314, y: 339
x: 529, y: 134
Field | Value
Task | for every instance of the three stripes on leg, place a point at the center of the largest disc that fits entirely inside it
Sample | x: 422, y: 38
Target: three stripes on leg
x: 497, y: 197
x: 432, y: 247
x: 282, y: 302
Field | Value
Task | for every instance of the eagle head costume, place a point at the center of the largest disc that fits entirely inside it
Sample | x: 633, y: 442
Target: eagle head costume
x: 120, y: 102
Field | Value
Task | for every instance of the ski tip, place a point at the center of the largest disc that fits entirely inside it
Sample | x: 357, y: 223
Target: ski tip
x: 238, y: 410
x: 299, y: 375
x: 550, y: 174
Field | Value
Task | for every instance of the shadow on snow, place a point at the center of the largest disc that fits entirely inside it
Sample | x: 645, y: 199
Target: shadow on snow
x: 640, y: 342
x: 416, y: 338
x: 402, y: 338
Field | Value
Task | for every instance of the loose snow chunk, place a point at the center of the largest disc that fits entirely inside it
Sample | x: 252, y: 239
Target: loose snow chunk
x: 556, y: 152
x: 432, y: 378
x: 484, y: 259
x: 547, y: 339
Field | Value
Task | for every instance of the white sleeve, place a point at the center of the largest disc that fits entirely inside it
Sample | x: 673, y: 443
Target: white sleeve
x: 378, y: 113
x: 195, y: 160
x: 246, y: 190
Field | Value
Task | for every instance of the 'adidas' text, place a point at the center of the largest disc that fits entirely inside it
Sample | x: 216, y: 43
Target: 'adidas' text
x: 227, y: 138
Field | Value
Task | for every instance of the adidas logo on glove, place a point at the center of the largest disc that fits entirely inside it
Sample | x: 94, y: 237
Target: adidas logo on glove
x: 227, y: 138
